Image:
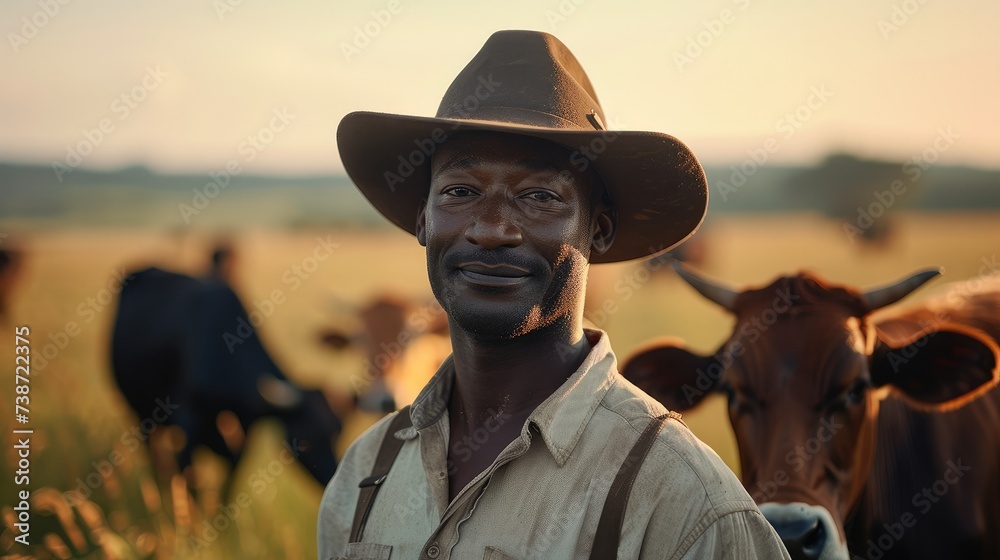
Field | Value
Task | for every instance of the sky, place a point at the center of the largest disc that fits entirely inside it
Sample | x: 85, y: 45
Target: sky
x: 189, y: 85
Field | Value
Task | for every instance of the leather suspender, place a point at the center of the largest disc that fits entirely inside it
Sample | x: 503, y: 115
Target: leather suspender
x: 383, y: 462
x: 609, y: 528
x: 612, y: 517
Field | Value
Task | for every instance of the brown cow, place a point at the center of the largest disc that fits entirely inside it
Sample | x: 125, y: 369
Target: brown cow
x: 843, y: 438
x: 403, y: 345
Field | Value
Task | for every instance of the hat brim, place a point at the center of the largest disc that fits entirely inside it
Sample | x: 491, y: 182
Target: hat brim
x: 657, y: 185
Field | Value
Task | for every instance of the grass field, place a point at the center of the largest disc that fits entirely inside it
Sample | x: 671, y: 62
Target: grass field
x: 79, y: 419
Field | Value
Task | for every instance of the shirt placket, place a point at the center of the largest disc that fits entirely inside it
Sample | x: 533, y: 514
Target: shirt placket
x: 446, y: 536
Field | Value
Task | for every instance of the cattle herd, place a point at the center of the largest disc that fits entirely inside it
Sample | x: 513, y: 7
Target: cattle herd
x: 862, y: 433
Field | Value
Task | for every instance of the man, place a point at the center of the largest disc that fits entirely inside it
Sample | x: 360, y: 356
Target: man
x: 527, y: 443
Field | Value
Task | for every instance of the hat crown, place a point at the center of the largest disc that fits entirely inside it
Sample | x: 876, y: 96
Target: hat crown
x: 524, y: 77
x: 528, y: 83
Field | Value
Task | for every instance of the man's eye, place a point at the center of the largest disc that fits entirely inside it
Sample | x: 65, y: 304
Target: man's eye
x: 458, y: 191
x: 541, y: 196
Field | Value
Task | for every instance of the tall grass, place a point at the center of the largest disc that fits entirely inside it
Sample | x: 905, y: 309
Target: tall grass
x: 135, y: 511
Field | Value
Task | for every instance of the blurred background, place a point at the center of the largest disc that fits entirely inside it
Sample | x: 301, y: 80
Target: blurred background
x: 855, y: 139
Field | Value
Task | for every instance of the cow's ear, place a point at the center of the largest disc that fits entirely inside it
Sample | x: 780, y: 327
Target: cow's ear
x: 672, y: 375
x: 937, y: 369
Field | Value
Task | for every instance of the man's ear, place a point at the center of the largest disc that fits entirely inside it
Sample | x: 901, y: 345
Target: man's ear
x: 604, y: 226
x: 421, y: 229
x: 940, y: 369
x: 672, y: 375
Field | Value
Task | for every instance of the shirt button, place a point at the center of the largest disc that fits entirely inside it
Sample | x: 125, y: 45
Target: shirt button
x: 442, y: 475
x: 433, y: 551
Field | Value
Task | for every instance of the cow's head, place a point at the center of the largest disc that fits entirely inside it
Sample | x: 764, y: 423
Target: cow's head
x: 804, y: 371
x: 393, y: 330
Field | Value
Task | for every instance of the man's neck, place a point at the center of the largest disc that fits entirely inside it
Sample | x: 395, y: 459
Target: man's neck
x: 509, y: 379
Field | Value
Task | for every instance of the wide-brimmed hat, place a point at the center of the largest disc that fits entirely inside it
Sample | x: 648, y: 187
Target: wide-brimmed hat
x: 529, y: 83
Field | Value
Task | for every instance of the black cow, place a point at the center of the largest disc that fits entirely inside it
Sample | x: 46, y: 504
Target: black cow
x: 176, y: 362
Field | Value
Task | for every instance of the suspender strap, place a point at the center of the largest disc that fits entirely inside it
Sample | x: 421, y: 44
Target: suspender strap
x: 383, y: 462
x: 609, y: 528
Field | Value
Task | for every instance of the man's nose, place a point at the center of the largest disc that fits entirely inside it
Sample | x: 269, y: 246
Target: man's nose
x: 493, y: 228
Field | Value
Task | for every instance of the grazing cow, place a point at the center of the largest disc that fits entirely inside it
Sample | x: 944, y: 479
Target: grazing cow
x: 185, y: 353
x: 882, y: 438
x: 404, y: 345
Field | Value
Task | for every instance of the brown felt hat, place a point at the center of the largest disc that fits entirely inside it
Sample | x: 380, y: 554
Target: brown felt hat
x: 529, y: 83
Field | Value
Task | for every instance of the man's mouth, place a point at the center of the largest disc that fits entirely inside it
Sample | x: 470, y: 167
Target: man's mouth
x: 493, y: 275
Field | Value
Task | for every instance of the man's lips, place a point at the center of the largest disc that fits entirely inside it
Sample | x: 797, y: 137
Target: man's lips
x: 493, y: 275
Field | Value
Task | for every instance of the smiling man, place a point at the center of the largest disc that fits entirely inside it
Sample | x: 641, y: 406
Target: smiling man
x: 527, y: 443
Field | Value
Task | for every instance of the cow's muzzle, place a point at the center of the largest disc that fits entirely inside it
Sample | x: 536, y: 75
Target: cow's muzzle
x: 809, y: 532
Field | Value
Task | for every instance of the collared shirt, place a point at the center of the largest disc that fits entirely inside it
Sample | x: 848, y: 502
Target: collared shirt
x: 543, y: 495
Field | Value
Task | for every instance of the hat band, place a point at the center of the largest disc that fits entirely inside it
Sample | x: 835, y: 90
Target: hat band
x: 518, y: 116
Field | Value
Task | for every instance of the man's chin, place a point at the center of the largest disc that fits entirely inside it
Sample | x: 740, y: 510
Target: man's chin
x: 490, y: 320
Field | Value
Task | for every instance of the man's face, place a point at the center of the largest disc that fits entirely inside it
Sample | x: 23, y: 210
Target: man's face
x: 509, y: 227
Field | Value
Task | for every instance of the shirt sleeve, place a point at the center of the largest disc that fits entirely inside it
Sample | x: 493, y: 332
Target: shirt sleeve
x: 742, y: 534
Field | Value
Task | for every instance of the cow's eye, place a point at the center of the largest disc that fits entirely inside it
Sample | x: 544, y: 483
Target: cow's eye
x: 856, y: 394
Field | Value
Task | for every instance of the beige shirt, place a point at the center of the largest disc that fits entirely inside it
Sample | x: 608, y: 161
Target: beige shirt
x: 543, y: 496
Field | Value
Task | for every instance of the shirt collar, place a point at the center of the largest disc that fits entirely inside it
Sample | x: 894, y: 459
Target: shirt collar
x: 561, y: 418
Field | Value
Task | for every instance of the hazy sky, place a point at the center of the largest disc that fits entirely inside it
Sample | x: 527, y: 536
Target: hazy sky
x: 200, y: 76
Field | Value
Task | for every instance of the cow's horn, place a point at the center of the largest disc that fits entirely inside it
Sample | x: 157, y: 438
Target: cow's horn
x: 722, y: 295
x: 889, y: 294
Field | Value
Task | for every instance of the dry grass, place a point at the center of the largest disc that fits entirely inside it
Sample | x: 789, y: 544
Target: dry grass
x: 79, y: 417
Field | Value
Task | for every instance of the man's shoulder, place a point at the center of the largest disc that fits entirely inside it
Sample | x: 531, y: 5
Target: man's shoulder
x: 362, y: 451
x: 341, y: 494
x: 357, y: 463
x: 677, y: 455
